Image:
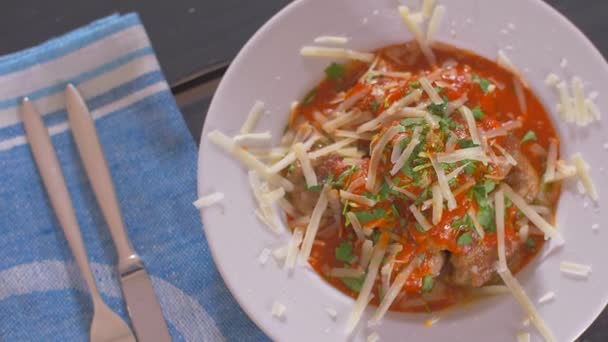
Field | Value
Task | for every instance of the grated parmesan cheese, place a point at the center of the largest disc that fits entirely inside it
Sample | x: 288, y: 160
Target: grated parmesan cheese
x: 478, y: 228
x: 412, y: 26
x: 357, y: 228
x: 319, y: 51
x: 337, y: 40
x: 253, y: 117
x: 264, y: 256
x: 373, y: 337
x: 407, y: 152
x: 582, y: 169
x: 430, y: 91
x: 292, y: 248
x: 332, y: 313
x: 357, y: 198
x: 443, y: 184
x: 366, y: 289
x: 526, y: 303
x: 249, y: 138
x: 313, y: 225
x: 330, y: 148
x: 472, y: 153
x: 437, y: 204
x: 546, y: 297
x: 581, y: 114
x: 574, y: 269
x: 470, y: 119
x: 424, y: 223
x: 565, y: 102
x: 280, y: 253
x: 209, y: 200
x: 552, y: 80
x: 278, y: 310
x: 346, y: 272
x: 549, y: 175
x: 523, y: 336
x: 499, y: 206
x: 376, y: 156
x: 434, y: 23
x: 394, y: 290
x: 307, y: 170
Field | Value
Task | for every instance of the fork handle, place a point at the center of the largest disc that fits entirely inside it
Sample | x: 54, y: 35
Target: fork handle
x: 91, y: 154
x: 52, y: 178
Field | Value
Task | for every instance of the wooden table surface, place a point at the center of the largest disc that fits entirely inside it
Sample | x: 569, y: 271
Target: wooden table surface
x: 195, y: 40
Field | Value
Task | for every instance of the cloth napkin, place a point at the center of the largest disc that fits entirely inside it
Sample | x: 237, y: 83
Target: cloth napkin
x: 153, y: 163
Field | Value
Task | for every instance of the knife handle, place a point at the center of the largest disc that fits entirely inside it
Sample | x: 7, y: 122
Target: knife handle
x: 54, y: 183
x: 91, y: 154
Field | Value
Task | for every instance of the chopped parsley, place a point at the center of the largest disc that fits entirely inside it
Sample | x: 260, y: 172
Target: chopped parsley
x: 465, y: 222
x: 419, y: 228
x: 310, y: 97
x: 478, y: 113
x: 529, y: 136
x: 438, y: 109
x: 354, y: 284
x: 314, y: 187
x: 530, y: 243
x: 375, y: 236
x: 335, y: 71
x: 489, y: 185
x: 344, y: 252
x: 421, y: 257
x: 427, y: 283
x: 375, y: 106
x: 466, y: 143
x: 484, y: 83
x: 343, y: 175
x: 414, y: 84
x: 470, y: 167
x: 291, y: 168
x: 485, y: 216
x: 411, y: 122
x: 465, y: 239
x: 374, y: 214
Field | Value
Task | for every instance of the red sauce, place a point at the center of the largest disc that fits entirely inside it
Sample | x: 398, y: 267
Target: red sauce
x: 499, y: 106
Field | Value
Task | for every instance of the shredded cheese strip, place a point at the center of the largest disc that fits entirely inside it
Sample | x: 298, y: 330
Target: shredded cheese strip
x: 291, y: 156
x: 583, y: 174
x: 581, y: 113
x: 341, y: 120
x: 377, y: 152
x: 526, y: 304
x: 434, y: 23
x: 253, y: 117
x: 248, y: 159
x: 320, y: 51
x: 427, y: 8
x: 292, y: 248
x: 456, y: 172
x: 523, y: 336
x: 351, y: 100
x: 470, y: 119
x: 532, y: 215
x: 394, y: 74
x: 524, y: 232
x: 478, y: 228
x: 430, y: 91
x: 506, y: 154
x: 397, y: 149
x: 506, y: 63
x: 551, y: 80
x: 280, y: 253
x: 437, y: 204
x: 266, y: 212
x: 398, y: 189
x: 373, y: 337
x: 499, y: 206
x: 424, y: 223
x: 549, y: 175
x: 491, y: 290
x: 566, y: 107
x: 357, y: 228
x: 407, y: 152
x: 209, y: 200
x: 575, y: 269
x: 274, y: 195
x: 337, y: 40
x: 346, y: 272
x: 351, y: 134
x: 287, y: 207
x: 443, y: 184
x: 521, y: 95
x: 330, y: 148
x: 313, y: 225
x: 546, y: 297
x: 593, y: 109
x: 472, y: 153
x: 412, y: 26
x: 278, y: 310
x: 307, y: 169
x: 367, y: 248
x: 394, y: 290
x: 368, y: 283
x: 392, y: 110
x: 247, y: 138
x: 357, y: 198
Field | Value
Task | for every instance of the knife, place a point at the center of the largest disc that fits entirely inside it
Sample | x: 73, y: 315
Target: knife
x: 142, y: 304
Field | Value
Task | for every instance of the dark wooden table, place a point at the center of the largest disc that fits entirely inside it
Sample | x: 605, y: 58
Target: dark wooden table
x: 196, y: 40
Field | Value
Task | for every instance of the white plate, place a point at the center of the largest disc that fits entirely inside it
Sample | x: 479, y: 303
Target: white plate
x: 270, y: 68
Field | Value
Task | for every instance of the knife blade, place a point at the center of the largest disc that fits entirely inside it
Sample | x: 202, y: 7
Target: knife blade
x: 142, y: 303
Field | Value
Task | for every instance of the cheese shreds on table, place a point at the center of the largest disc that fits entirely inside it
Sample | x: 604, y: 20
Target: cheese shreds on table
x: 443, y: 184
x: 523, y: 336
x: 526, y: 303
x: 376, y: 156
x: 437, y: 204
x: 248, y: 159
x: 393, y: 291
x: 331, y: 52
x: 307, y: 169
x: 412, y: 26
x: 366, y: 289
x: 337, y: 40
x: 583, y: 173
x: 292, y: 249
x: 208, y: 200
x: 546, y: 297
x: 499, y: 206
x: 278, y: 310
x: 253, y: 117
x: 548, y: 229
x: 430, y: 91
x: 470, y: 119
x: 574, y: 269
x: 419, y: 216
x: 313, y: 225
x: 434, y: 23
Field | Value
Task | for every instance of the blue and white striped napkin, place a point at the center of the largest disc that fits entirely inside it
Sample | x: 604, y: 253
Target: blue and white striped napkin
x: 153, y: 162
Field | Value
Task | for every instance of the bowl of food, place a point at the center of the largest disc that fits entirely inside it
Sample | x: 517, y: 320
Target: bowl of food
x: 410, y: 171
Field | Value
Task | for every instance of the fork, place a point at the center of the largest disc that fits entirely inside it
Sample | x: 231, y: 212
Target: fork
x: 106, y: 325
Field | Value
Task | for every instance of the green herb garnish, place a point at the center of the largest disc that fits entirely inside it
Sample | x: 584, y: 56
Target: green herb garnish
x: 466, y: 143
x: 366, y: 216
x: 310, y: 97
x: 438, y: 109
x: 530, y: 243
x: 344, y: 252
x: 354, y: 284
x: 465, y: 239
x: 485, y: 217
x: 427, y: 283
x: 343, y: 175
x: 291, y: 168
x: 375, y: 106
x: 484, y: 83
x: 529, y: 136
x: 423, y: 196
x: 414, y: 84
x: 335, y: 71
x: 478, y: 113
